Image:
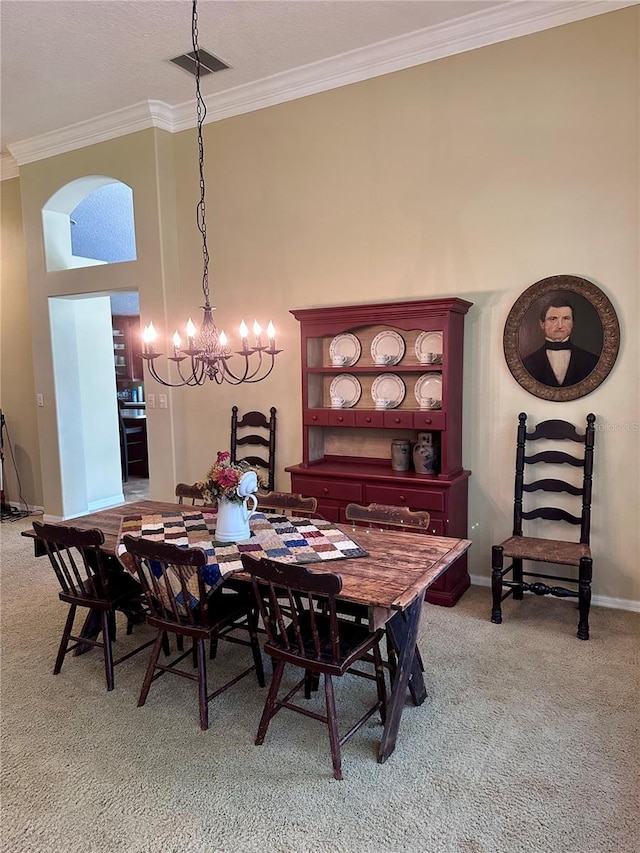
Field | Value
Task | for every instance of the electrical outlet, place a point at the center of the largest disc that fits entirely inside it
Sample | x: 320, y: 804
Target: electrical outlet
x: 151, y: 401
x: 40, y: 399
x: 162, y: 401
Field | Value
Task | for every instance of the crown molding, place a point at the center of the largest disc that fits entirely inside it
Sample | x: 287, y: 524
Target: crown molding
x: 480, y: 29
x: 108, y: 126
x: 8, y: 167
x: 512, y: 20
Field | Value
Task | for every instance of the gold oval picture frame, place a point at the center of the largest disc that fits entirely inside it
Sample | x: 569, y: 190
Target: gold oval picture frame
x: 595, y: 335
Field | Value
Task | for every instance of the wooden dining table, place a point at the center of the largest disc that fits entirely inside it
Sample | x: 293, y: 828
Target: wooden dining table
x: 391, y: 580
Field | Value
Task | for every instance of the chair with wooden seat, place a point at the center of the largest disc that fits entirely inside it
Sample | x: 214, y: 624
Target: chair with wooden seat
x: 79, y: 565
x: 287, y: 503
x: 191, y: 494
x: 173, y: 580
x: 311, y: 637
x: 546, y: 445
x: 242, y: 442
x: 385, y: 516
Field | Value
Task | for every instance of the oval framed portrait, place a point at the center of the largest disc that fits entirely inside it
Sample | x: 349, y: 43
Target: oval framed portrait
x: 561, y: 338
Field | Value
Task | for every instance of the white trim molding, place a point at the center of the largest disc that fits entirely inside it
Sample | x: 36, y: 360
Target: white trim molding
x: 480, y: 29
x: 8, y: 167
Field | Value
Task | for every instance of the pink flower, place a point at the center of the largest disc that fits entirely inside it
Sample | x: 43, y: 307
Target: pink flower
x: 223, y: 455
x: 228, y: 478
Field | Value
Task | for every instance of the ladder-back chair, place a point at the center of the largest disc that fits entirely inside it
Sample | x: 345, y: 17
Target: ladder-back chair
x: 173, y: 580
x: 266, y: 458
x: 310, y: 636
x: 191, y: 494
x: 383, y: 515
x: 78, y: 563
x: 287, y: 503
x: 535, y: 448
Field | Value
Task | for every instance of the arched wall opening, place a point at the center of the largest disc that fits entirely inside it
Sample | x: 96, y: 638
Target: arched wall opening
x: 89, y: 221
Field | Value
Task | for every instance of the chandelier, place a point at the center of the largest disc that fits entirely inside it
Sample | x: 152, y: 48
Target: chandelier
x: 208, y: 351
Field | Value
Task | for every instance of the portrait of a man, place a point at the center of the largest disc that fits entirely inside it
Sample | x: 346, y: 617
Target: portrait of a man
x: 559, y: 361
x: 561, y: 338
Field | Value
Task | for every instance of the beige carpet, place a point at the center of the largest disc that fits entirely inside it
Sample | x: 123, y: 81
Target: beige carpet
x: 528, y: 742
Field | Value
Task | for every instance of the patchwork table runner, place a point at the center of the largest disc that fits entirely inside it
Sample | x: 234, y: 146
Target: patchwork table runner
x: 288, y: 540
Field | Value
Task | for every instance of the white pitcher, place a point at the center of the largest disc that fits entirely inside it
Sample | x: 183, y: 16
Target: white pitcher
x: 232, y: 522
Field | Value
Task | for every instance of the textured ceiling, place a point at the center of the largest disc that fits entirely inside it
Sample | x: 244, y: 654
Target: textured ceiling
x: 69, y: 61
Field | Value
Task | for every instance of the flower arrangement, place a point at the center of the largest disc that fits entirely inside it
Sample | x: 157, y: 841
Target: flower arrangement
x: 224, y: 477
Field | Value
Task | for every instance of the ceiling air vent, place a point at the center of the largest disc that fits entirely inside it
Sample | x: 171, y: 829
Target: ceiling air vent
x: 208, y: 63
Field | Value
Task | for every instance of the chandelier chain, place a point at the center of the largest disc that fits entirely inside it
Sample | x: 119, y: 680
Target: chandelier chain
x: 201, y: 112
x: 207, y: 353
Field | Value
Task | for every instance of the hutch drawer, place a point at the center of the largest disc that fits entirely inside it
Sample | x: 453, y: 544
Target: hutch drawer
x: 336, y: 489
x: 316, y: 417
x: 429, y: 420
x: 432, y: 499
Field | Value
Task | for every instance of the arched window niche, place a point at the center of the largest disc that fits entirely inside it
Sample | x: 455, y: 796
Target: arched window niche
x: 88, y: 222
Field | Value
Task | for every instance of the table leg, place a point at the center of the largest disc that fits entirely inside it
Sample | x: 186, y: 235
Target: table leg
x: 403, y: 631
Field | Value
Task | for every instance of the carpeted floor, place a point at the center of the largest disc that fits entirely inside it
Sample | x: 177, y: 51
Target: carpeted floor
x: 528, y: 742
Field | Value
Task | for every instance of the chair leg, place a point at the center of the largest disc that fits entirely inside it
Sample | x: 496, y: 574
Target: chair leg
x: 166, y: 648
x: 112, y: 625
x: 392, y: 659
x: 106, y: 644
x: 332, y: 722
x: 270, y: 704
x: 201, y: 656
x: 380, y: 682
x: 64, y: 642
x: 585, y: 572
x: 213, y: 647
x: 148, y: 676
x: 517, y: 578
x: 252, y: 623
x: 496, y: 583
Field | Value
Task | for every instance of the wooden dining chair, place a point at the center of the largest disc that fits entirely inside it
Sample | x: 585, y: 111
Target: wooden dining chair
x: 133, y: 446
x: 287, y: 503
x: 191, y: 494
x: 537, y: 449
x: 383, y: 515
x: 311, y: 637
x: 256, y: 448
x: 79, y: 565
x: 173, y: 580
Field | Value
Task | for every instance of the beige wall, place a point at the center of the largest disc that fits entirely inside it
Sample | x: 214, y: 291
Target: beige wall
x: 22, y: 476
x: 473, y: 176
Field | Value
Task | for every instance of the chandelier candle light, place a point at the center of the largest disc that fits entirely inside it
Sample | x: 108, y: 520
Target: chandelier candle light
x: 209, y: 351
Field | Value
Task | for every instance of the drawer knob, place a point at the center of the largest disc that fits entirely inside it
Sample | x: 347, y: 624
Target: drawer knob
x: 367, y: 420
x: 325, y: 491
x: 340, y: 419
x: 314, y: 417
x: 396, y: 420
x: 402, y: 499
x: 428, y: 421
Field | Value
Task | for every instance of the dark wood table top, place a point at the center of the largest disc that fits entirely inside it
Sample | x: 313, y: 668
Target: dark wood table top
x: 398, y: 567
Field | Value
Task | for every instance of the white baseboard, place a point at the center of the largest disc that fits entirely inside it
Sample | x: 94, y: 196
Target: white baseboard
x: 601, y: 600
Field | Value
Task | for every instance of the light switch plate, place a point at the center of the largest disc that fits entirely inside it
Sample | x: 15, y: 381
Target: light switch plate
x: 162, y: 401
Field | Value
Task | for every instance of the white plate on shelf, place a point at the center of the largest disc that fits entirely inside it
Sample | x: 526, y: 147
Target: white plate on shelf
x: 387, y: 347
x: 387, y: 391
x: 347, y: 388
x: 429, y: 343
x: 429, y: 387
x: 346, y: 347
